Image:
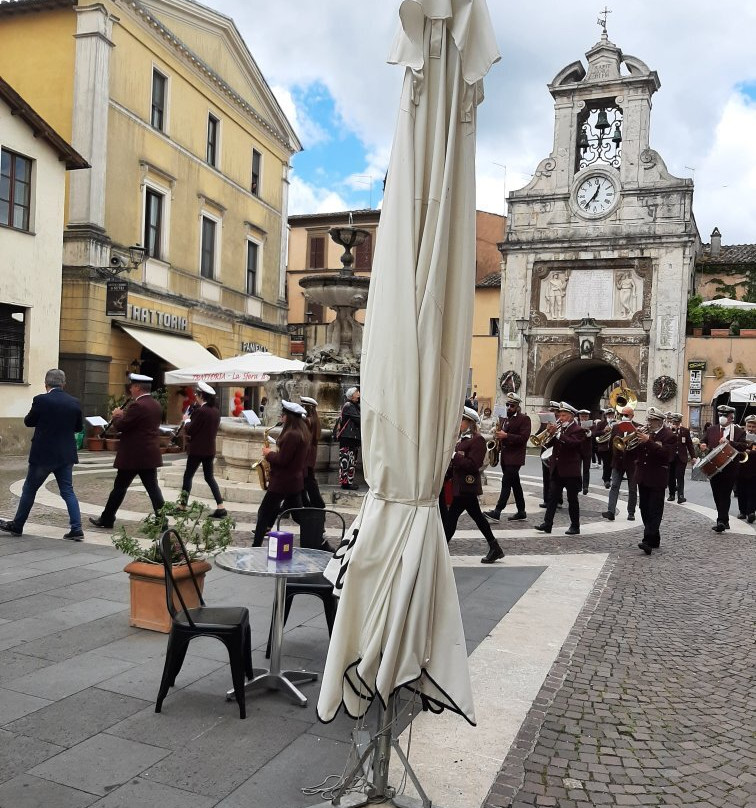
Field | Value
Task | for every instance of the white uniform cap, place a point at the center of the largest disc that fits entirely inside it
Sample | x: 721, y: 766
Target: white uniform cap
x: 471, y: 415
x: 351, y: 391
x: 584, y: 412
x: 653, y: 412
x: 725, y: 408
x: 675, y: 416
x: 514, y: 398
x: 565, y: 407
x: 751, y: 419
x: 308, y: 400
x: 138, y: 377
x: 553, y: 405
x: 205, y: 387
x: 294, y: 409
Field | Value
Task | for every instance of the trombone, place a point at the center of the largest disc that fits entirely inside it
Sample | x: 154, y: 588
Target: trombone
x: 546, y: 438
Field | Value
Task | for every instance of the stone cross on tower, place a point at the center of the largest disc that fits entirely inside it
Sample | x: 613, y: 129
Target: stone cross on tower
x: 605, y: 13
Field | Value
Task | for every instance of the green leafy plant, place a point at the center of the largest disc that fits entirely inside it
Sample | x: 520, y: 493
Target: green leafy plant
x: 161, y: 396
x: 202, y: 536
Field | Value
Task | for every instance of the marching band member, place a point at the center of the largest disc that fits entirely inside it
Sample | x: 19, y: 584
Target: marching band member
x: 513, y: 440
x: 747, y: 475
x: 201, y: 430
x: 604, y: 448
x: 723, y: 482
x: 683, y: 453
x: 545, y: 472
x: 287, y: 466
x: 623, y: 465
x: 652, y: 459
x: 138, y: 450
x: 312, y: 496
x: 564, y: 466
x: 466, y: 463
x: 586, y: 449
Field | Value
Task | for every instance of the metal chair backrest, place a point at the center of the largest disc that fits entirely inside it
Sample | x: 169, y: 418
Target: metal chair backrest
x: 168, y: 542
x: 309, y: 511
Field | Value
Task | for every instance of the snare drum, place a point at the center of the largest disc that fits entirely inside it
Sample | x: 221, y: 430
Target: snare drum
x: 712, y: 463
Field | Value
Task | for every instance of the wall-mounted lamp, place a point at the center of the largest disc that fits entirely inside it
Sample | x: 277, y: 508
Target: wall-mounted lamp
x: 522, y: 326
x: 646, y: 324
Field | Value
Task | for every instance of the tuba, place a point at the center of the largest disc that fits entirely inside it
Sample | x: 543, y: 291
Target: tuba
x: 622, y: 397
x: 262, y: 466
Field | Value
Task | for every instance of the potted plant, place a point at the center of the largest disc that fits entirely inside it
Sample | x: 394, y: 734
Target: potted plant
x: 96, y: 441
x: 202, y: 537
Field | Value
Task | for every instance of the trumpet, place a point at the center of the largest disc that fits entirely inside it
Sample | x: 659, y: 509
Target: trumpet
x: 546, y: 438
x: 628, y: 442
x: 262, y: 466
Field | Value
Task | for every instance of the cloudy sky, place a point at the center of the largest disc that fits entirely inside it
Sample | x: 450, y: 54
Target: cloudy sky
x: 326, y: 62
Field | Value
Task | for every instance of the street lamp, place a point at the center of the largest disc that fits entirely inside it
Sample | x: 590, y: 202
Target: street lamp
x: 646, y: 324
x: 522, y: 326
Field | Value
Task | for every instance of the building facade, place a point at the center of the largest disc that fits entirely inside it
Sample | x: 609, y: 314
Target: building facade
x: 600, y: 248
x: 34, y: 160
x: 190, y: 156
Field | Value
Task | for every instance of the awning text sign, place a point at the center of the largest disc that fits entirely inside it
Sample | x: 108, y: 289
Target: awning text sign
x: 241, y: 377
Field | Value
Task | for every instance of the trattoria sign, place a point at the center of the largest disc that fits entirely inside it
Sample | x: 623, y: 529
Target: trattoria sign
x: 154, y: 317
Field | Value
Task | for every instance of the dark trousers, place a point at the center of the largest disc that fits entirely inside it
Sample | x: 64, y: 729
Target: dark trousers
x: 192, y: 464
x: 721, y: 488
x: 556, y: 486
x: 469, y: 503
x: 651, y: 502
x: 311, y: 496
x: 586, y: 473
x: 546, y: 479
x: 605, y: 458
x: 123, y: 480
x: 271, y: 505
x: 677, y: 478
x: 510, y: 482
x: 746, y: 489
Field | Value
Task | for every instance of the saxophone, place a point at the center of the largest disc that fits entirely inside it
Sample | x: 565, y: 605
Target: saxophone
x: 262, y: 466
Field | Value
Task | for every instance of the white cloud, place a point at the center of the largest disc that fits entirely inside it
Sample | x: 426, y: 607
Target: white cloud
x: 307, y: 198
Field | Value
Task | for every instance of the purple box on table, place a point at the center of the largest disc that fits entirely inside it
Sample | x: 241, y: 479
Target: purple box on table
x: 280, y: 545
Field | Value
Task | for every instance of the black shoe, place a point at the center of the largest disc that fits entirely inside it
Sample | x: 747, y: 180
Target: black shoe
x: 719, y: 527
x: 631, y: 517
x: 74, y: 535
x: 671, y: 498
x: 680, y: 500
x: 585, y: 490
x: 607, y: 484
x: 751, y: 518
x: 543, y: 527
x: 327, y: 548
x: 645, y: 547
x: 494, y: 554
x: 608, y: 515
x: 100, y: 523
x: 741, y: 516
x: 219, y: 513
x: 493, y: 515
x: 542, y: 505
x: 727, y: 525
x: 516, y: 517
x: 10, y: 527
x: 572, y: 530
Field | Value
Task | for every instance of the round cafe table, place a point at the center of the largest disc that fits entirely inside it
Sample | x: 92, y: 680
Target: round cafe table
x: 255, y: 561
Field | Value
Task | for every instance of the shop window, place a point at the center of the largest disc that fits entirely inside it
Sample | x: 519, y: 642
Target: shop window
x: 153, y: 223
x: 256, y: 168
x: 207, y: 251
x: 314, y: 313
x: 316, y: 252
x: 253, y: 251
x: 12, y: 343
x: 159, y: 92
x: 213, y: 130
x: 15, y: 190
x: 363, y: 256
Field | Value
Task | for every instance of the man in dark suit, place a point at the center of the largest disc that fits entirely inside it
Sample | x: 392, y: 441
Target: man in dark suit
x: 683, y: 453
x: 747, y: 475
x: 138, y: 450
x: 56, y: 417
x: 565, y: 468
x: 652, y: 459
x: 723, y: 482
x: 513, y: 439
x: 623, y: 465
x: 586, y: 451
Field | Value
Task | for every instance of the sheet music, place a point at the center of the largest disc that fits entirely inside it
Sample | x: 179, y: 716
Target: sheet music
x: 250, y: 416
x: 547, y: 417
x: 96, y: 420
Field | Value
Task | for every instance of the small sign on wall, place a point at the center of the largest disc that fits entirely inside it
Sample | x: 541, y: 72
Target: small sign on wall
x: 116, y: 298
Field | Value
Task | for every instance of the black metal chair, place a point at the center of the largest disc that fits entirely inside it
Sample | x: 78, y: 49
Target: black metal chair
x: 229, y: 624
x: 311, y: 523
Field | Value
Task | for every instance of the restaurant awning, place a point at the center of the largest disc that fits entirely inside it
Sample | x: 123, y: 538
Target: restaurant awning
x: 176, y: 351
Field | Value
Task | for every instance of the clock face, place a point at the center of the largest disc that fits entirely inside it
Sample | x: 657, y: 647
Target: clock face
x: 596, y: 195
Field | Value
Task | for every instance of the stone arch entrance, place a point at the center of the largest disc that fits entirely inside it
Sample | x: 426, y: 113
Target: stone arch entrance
x: 582, y: 382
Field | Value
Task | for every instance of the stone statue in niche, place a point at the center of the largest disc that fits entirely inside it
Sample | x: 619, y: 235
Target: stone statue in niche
x: 555, y: 293
x: 626, y: 294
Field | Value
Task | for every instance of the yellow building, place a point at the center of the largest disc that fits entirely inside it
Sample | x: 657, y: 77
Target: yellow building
x: 190, y: 157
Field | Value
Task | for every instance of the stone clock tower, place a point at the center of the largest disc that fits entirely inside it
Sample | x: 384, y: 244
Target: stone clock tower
x: 599, y: 252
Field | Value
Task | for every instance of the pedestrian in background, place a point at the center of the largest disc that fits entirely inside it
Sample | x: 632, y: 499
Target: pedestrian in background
x: 350, y: 438
x: 56, y: 417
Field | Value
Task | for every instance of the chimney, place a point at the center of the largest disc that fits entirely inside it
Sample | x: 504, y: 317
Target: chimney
x: 716, y: 243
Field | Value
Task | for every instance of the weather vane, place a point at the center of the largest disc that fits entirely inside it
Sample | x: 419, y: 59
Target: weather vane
x: 604, y: 13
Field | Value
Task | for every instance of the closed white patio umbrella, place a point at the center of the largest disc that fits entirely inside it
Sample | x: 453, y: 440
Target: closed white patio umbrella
x: 398, y: 622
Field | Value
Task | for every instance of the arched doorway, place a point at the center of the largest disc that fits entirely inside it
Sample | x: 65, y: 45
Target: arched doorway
x: 582, y: 382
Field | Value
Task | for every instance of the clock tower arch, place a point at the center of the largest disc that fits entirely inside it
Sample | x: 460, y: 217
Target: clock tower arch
x: 600, y: 244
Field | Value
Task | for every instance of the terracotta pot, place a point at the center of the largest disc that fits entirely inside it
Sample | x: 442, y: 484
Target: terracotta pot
x: 720, y: 332
x: 147, y: 586
x: 697, y: 331
x: 111, y: 444
x: 95, y: 444
x: 748, y: 332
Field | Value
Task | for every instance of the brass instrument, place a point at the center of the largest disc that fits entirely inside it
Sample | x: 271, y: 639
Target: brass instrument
x: 604, y: 437
x: 628, y: 442
x: 262, y: 466
x: 493, y: 446
x: 622, y: 397
x: 546, y: 438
